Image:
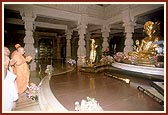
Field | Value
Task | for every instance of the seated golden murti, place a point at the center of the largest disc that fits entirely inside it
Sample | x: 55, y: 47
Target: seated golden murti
x: 143, y: 58
x: 147, y: 48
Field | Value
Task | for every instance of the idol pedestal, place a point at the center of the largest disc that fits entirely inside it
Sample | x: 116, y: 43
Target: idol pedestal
x: 95, y: 68
x: 153, y: 71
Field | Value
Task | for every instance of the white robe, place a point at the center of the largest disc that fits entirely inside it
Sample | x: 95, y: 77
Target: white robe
x: 10, y: 91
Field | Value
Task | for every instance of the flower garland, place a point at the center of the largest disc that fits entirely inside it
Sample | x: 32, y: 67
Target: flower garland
x: 119, y: 56
x: 33, y: 91
x: 107, y: 59
x: 106, y: 52
x: 71, y: 62
x: 133, y: 59
x: 90, y: 104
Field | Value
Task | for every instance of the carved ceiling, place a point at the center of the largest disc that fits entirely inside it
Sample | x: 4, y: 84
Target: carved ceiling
x: 14, y: 23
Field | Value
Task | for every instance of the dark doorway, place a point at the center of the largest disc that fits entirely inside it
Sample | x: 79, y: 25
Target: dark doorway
x: 116, y: 45
x: 44, y: 54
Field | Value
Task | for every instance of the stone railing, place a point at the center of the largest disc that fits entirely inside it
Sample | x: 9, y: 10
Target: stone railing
x: 47, y: 101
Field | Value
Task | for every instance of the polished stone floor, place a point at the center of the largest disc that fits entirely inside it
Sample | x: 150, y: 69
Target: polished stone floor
x: 111, y: 94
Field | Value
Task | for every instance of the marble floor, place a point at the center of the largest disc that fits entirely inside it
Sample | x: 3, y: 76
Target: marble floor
x: 24, y: 103
x: 111, y: 94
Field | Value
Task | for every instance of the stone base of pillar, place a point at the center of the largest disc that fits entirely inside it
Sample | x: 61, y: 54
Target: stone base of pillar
x: 128, y: 49
x: 81, y: 61
x: 104, y: 49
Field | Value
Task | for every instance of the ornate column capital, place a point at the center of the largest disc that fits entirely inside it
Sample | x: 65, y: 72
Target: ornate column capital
x: 105, y: 28
x: 105, y: 31
x: 28, y: 17
x: 129, y: 20
x: 82, y: 24
x: 68, y: 34
x: 129, y: 27
x: 69, y: 31
x: 83, y: 19
x: 82, y: 29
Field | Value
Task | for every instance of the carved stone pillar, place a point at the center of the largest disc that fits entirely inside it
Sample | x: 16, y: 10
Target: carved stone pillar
x: 68, y: 45
x: 128, y: 40
x: 81, y: 53
x: 28, y: 19
x: 87, y: 45
x: 129, y: 24
x: 105, y: 34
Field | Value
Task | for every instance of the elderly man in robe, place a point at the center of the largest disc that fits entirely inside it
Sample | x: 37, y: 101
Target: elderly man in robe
x: 16, y: 46
x: 21, y: 69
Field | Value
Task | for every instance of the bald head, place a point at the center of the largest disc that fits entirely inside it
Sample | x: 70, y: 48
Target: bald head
x: 21, y: 50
